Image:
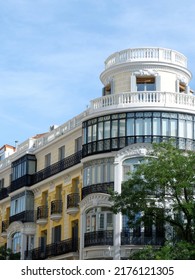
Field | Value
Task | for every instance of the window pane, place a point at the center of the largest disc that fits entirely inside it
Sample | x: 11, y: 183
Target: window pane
x: 94, y: 132
x: 106, y: 129
x: 114, y: 129
x: 165, y: 127
x: 147, y: 126
x: 101, y: 221
x: 100, y: 130
x: 189, y: 129
x: 139, y: 126
x: 130, y: 127
x: 109, y: 225
x: 122, y: 128
x: 89, y: 134
x: 182, y: 128
x: 98, y: 170
x: 156, y: 126
x: 173, y: 127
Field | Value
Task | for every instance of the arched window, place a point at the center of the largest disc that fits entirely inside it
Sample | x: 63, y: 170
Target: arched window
x: 16, y: 242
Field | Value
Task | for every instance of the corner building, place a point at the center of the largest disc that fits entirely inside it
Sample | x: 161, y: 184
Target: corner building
x: 54, y: 192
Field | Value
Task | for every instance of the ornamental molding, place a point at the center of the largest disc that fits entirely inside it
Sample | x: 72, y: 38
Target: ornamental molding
x: 135, y: 150
x: 18, y: 226
x: 156, y: 67
x: 95, y: 200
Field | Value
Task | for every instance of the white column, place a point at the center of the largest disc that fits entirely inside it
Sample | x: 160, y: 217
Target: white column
x: 117, y: 217
x: 82, y: 232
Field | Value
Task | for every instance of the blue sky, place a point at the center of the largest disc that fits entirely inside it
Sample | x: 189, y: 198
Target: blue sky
x: 53, y: 51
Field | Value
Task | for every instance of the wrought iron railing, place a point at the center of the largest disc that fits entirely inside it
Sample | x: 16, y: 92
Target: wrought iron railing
x: 57, y: 167
x: 97, y: 188
x: 127, y: 238
x: 53, y: 249
x: 24, y: 216
x: 42, y: 212
x: 29, y: 180
x: 73, y: 200
x: 100, y: 237
x: 56, y: 207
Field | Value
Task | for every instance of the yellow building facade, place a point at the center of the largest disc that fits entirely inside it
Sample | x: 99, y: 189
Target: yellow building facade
x: 54, y: 187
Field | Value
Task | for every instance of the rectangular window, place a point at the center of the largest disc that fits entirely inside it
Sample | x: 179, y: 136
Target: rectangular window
x: 165, y: 127
x: 100, y: 131
x: 130, y: 127
x: 94, y: 132
x: 114, y: 130
x: 189, y: 129
x: 122, y: 128
x: 89, y: 134
x: 156, y: 126
x: 147, y: 126
x: 106, y: 129
x: 78, y: 144
x: 109, y: 225
x: 182, y: 128
x: 56, y: 234
x: 139, y: 126
x: 173, y: 127
x: 48, y: 160
x: 61, y: 153
x: 145, y: 83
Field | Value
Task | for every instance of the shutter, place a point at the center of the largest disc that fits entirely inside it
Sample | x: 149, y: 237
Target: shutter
x: 158, y: 83
x: 133, y: 83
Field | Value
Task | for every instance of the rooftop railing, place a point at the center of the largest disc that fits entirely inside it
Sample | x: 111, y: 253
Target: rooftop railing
x: 146, y: 54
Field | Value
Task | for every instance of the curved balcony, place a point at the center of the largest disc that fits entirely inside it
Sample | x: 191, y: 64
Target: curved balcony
x: 73, y: 203
x: 131, y: 100
x: 97, y: 238
x: 56, y: 210
x: 97, y: 188
x: 146, y: 54
x: 42, y: 215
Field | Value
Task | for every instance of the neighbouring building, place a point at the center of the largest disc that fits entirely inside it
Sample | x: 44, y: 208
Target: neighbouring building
x: 54, y: 187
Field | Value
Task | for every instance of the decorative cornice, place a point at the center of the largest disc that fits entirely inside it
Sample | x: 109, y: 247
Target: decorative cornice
x: 95, y: 200
x: 133, y: 150
x: 156, y: 67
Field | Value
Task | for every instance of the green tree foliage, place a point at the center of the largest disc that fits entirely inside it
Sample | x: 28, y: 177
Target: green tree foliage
x: 162, y: 189
x: 180, y: 251
x: 7, y: 254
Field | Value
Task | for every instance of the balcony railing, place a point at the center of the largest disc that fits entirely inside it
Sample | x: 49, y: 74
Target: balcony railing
x: 56, y: 207
x: 127, y: 238
x: 57, y: 167
x: 23, y: 181
x: 42, y: 212
x: 100, y: 237
x: 29, y: 180
x: 97, y: 188
x: 24, y: 217
x: 52, y: 250
x: 73, y: 200
x: 143, y: 99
